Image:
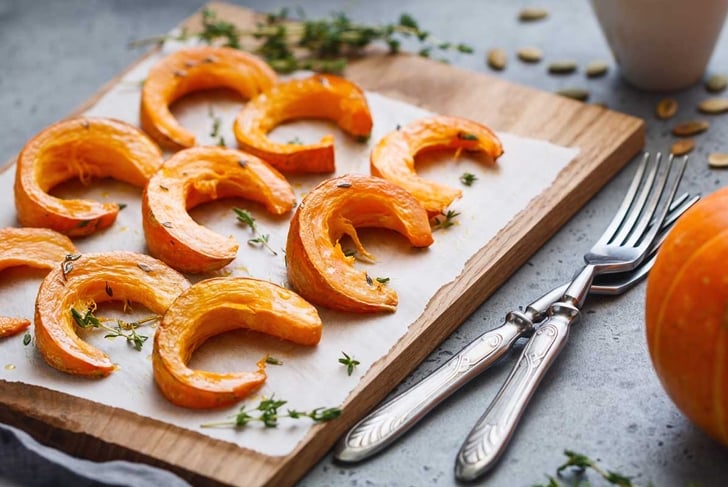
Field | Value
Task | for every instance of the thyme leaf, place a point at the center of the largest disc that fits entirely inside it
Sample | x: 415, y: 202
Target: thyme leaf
x: 267, y: 412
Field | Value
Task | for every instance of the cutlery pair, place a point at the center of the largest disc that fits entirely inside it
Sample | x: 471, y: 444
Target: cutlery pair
x: 620, y: 259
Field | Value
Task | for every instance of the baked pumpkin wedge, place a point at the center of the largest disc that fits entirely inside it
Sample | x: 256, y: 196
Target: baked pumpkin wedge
x: 393, y: 158
x: 31, y: 247
x: 215, y: 306
x: 199, y: 175
x: 196, y: 69
x: 317, y: 266
x: 83, y: 148
x: 318, y: 97
x: 85, y: 279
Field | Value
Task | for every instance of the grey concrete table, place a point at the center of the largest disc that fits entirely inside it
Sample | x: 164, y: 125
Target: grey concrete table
x: 602, y: 398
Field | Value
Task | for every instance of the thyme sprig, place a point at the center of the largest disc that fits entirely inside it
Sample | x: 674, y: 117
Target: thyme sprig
x: 580, y: 463
x: 289, y: 43
x: 267, y: 412
x: 349, y: 362
x: 127, y: 330
x: 215, y: 130
x: 468, y: 178
x: 259, y: 240
x: 445, y: 219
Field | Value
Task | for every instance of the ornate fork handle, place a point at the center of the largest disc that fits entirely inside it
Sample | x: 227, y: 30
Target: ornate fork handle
x: 490, y: 435
x: 390, y: 421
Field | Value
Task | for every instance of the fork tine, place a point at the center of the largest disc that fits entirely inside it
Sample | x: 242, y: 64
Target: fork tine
x: 640, y: 203
x: 645, y: 214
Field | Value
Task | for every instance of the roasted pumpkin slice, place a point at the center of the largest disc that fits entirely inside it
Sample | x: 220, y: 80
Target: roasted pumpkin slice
x: 213, y: 307
x: 196, y: 69
x: 393, y: 158
x: 95, y: 278
x: 83, y: 148
x: 320, y: 96
x: 195, y: 176
x: 32, y: 247
x: 317, y: 266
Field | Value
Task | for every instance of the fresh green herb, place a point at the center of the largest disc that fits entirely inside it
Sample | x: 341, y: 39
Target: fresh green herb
x: 245, y: 217
x: 262, y: 241
x: 579, y: 463
x: 349, y: 362
x: 83, y: 223
x: 467, y: 136
x: 291, y: 43
x: 445, y: 220
x: 468, y: 178
x: 215, y: 130
x: 382, y: 280
x: 349, y: 253
x: 27, y: 338
x: 267, y: 413
x: 128, y: 330
x: 258, y: 240
x: 296, y: 141
x: 121, y: 206
x: 273, y: 361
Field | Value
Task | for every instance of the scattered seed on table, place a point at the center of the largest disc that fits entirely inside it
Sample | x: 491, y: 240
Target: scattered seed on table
x: 497, y: 59
x: 530, y: 54
x: 531, y: 14
x: 714, y: 105
x: 693, y: 127
x: 682, y: 147
x: 666, y: 108
x: 574, y: 93
x: 596, y: 69
x: 562, y: 67
x: 716, y: 83
x: 718, y: 159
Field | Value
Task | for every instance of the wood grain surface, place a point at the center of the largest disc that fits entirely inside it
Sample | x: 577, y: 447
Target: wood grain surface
x: 607, y: 141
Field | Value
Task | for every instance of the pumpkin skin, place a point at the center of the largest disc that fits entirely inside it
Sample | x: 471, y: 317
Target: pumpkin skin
x: 393, y: 158
x: 85, y: 148
x: 195, y: 69
x: 317, y: 267
x: 32, y: 247
x: 131, y: 276
x: 215, y: 306
x: 320, y: 96
x: 687, y: 314
x: 199, y: 175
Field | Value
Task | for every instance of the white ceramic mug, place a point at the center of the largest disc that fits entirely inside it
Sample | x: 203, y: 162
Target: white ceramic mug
x: 661, y: 45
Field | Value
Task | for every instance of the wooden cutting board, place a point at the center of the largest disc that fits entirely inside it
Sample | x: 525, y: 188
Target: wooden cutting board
x: 606, y: 141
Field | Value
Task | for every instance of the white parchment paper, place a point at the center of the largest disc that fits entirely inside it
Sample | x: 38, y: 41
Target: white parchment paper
x: 310, y: 377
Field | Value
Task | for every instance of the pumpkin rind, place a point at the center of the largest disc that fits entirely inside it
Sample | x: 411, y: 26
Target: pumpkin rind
x: 133, y: 277
x: 215, y: 306
x: 393, y: 158
x: 195, y: 69
x: 687, y: 314
x: 32, y: 247
x: 195, y: 176
x: 320, y: 96
x: 85, y: 148
x: 317, y: 267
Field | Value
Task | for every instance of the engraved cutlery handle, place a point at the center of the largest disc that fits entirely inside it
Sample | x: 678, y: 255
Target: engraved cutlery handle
x: 388, y: 422
x: 489, y: 437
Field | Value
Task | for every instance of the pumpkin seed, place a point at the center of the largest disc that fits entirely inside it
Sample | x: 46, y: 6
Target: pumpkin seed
x: 530, y: 54
x: 718, y: 159
x: 716, y: 83
x: 497, y: 59
x: 666, y: 108
x: 562, y: 67
x: 692, y: 127
x: 574, y: 93
x: 714, y: 105
x: 596, y: 69
x: 682, y: 147
x: 531, y: 14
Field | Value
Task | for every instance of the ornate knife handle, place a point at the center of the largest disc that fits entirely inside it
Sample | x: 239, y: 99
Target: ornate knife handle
x: 388, y: 422
x: 490, y: 436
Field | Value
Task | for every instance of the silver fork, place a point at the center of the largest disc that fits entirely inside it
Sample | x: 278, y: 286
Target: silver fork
x: 393, y: 418
x: 622, y: 246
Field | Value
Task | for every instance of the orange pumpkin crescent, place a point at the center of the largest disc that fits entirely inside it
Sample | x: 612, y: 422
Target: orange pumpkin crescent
x: 215, y: 306
x: 195, y: 176
x: 320, y: 96
x: 99, y: 277
x: 85, y: 148
x: 393, y: 158
x: 317, y: 266
x: 195, y: 69
x: 32, y: 247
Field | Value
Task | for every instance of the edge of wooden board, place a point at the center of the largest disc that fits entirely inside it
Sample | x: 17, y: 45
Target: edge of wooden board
x: 100, y: 432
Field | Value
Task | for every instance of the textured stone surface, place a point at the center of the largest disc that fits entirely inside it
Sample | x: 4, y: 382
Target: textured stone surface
x: 602, y: 397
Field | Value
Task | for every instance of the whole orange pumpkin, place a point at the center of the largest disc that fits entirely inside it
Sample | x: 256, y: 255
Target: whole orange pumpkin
x: 687, y: 314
